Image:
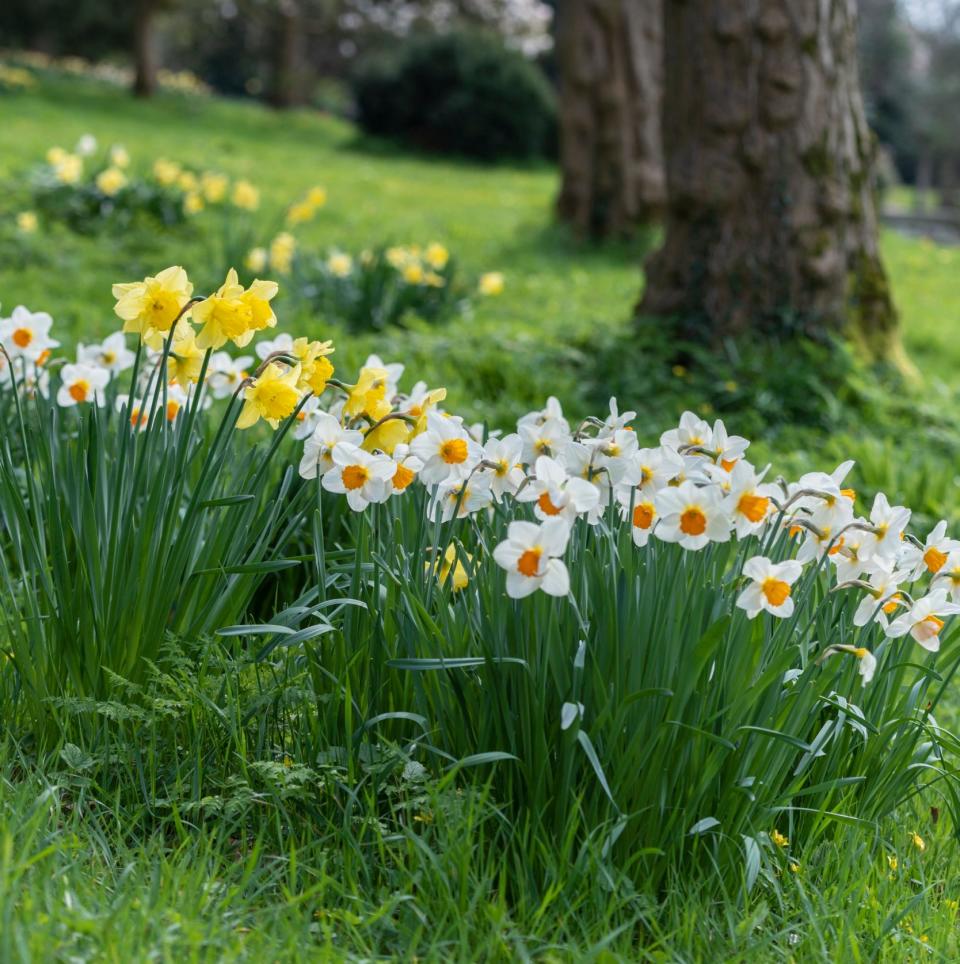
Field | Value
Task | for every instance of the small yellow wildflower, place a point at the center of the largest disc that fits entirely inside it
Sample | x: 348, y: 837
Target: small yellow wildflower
x: 272, y: 396
x: 918, y: 841
x: 892, y: 863
x: 111, y: 181
x: 317, y: 196
x: 779, y: 839
x: 491, y: 284
x: 151, y: 306
x: 679, y: 371
x: 246, y: 196
x: 27, y: 222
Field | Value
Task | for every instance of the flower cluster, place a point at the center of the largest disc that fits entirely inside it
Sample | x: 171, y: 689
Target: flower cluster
x: 372, y: 442
x: 81, y: 188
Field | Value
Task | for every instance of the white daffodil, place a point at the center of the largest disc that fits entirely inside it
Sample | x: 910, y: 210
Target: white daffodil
x: 361, y: 476
x: 692, y: 515
x: 692, y: 432
x: 748, y: 500
x: 26, y: 334
x: 305, y: 422
x: 80, y: 384
x: 445, y: 450
x: 552, y: 411
x: 888, y: 523
x: 651, y: 470
x: 616, y: 420
x: 770, y: 586
x: 112, y: 354
x: 556, y: 494
x: 530, y: 554
x: 269, y: 346
x: 461, y: 497
x: 504, y: 455
x: 727, y: 449
x: 616, y: 454
x: 138, y: 413
x: 868, y: 662
x: 543, y: 438
x: 406, y: 467
x: 328, y: 433
x: 642, y: 515
x: 923, y: 620
x: 951, y: 572
x: 933, y: 555
x: 224, y: 374
x: 882, y: 599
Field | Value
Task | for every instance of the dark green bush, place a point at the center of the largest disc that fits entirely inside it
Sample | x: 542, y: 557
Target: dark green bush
x: 459, y: 93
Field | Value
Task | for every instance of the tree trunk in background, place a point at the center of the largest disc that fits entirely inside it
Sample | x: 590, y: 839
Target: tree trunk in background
x: 772, y: 223
x: 610, y: 61
x: 288, y: 62
x: 144, y: 54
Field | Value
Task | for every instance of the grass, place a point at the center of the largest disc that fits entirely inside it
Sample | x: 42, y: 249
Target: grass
x: 241, y: 857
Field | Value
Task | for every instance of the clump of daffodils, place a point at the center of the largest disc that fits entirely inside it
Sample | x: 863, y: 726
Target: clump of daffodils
x: 371, y: 441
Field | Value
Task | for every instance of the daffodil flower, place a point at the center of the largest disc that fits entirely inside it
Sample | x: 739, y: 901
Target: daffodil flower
x: 923, y: 620
x: 82, y: 384
x: 692, y: 515
x: 770, y: 586
x: 530, y: 555
x: 360, y: 475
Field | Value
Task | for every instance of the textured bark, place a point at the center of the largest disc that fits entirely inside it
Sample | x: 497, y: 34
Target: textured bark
x: 610, y: 58
x: 144, y: 54
x: 772, y: 221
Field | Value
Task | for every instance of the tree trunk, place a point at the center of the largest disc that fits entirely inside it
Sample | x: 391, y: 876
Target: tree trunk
x: 772, y: 221
x: 288, y: 62
x: 144, y: 54
x: 610, y: 151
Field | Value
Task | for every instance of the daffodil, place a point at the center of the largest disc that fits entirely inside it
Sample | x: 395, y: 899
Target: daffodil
x: 457, y: 497
x: 932, y: 556
x: 339, y: 264
x: 68, y: 169
x: 316, y: 368
x: 112, y: 354
x: 282, y: 250
x: 387, y: 435
x: 437, y: 255
x: 531, y: 556
x: 360, y: 475
x: 556, y: 494
x: 81, y: 384
x: 445, y: 449
x: 923, y: 619
x: 502, y: 458
x: 246, y: 196
x: 111, y: 181
x: 406, y: 468
x: 27, y: 222
x: 256, y: 259
x: 318, y: 450
x: 193, y: 202
x: 166, y: 172
x: 186, y: 356
x: 26, y: 334
x: 450, y: 568
x: 770, y: 586
x: 226, y: 373
x: 692, y: 515
x: 369, y: 396
x: 150, y: 307
x: 119, y: 156
x: 272, y: 396
x: 234, y: 313
x: 214, y: 186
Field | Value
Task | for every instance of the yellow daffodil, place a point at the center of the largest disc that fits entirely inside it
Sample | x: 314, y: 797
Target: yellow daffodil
x: 55, y: 155
x: 166, y: 172
x: 246, y: 196
x: 111, y: 181
x: 317, y: 196
x: 368, y: 396
x: 193, y: 203
x: 272, y: 396
x: 214, y: 186
x: 27, y: 222
x: 315, y: 368
x: 413, y: 273
x: 119, y: 156
x: 387, y: 436
x: 340, y: 264
x: 69, y: 169
x: 186, y: 359
x: 187, y: 181
x: 452, y: 566
x: 151, y: 306
x: 491, y: 284
x: 300, y: 213
x: 234, y: 313
x: 437, y: 256
x: 282, y: 249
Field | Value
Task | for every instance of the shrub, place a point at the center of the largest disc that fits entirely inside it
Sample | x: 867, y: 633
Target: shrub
x: 459, y: 93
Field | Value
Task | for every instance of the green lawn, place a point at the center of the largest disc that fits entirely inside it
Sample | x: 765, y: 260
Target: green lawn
x: 107, y: 854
